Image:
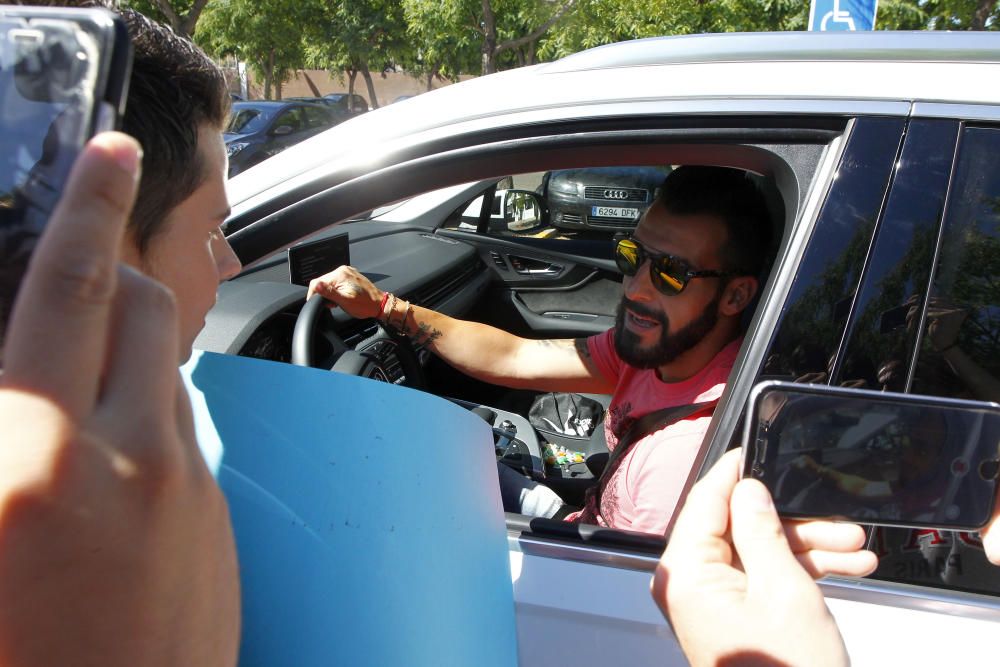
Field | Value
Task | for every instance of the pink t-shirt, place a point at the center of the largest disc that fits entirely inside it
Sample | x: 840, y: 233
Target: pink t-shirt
x: 643, y: 492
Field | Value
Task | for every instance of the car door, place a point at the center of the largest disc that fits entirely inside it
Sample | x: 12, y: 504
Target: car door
x: 926, y: 249
x: 548, y: 282
x: 289, y: 128
x: 830, y: 173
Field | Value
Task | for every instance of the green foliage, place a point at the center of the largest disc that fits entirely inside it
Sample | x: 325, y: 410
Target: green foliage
x: 266, y: 34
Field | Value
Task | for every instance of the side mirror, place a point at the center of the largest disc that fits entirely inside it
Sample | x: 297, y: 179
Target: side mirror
x: 523, y: 210
x: 282, y: 130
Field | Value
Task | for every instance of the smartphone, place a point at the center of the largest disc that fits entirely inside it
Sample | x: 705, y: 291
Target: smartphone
x: 874, y: 457
x: 894, y: 318
x: 63, y: 78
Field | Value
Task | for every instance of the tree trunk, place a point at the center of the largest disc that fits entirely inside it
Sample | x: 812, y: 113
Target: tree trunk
x: 182, y: 25
x: 983, y: 10
x: 489, y: 49
x: 268, y: 74
x: 309, y: 82
x: 351, y: 74
x: 430, y: 81
x: 277, y: 89
x: 371, y: 86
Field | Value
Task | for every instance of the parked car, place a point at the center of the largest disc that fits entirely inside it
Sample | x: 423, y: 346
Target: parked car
x: 880, y: 156
x: 347, y: 105
x: 258, y: 130
x: 601, y: 198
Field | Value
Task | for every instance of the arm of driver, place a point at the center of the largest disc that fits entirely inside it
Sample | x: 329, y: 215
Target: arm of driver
x: 729, y: 563
x: 476, y: 349
x: 110, y: 523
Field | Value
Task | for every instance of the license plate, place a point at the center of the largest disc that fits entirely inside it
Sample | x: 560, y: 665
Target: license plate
x: 614, y: 212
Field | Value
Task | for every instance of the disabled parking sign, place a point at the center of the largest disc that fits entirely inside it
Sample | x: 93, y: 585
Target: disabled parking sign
x: 845, y: 15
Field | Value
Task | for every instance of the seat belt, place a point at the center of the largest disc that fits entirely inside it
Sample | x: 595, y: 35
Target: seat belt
x: 641, y: 427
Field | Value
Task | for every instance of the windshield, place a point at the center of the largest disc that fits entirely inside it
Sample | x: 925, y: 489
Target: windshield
x: 245, y: 120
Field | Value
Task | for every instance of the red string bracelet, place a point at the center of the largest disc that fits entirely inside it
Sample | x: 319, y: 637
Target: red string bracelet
x: 381, y: 306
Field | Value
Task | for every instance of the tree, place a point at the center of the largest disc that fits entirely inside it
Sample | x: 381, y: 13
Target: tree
x: 181, y: 15
x: 939, y: 15
x: 266, y: 34
x: 598, y: 22
x: 503, y: 32
x: 444, y: 46
x: 357, y: 37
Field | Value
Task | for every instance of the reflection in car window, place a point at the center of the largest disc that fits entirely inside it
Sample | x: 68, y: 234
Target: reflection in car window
x: 883, y: 326
x: 959, y: 356
x: 813, y: 319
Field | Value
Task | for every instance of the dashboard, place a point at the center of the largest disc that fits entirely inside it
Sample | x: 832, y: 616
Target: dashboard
x: 255, y: 313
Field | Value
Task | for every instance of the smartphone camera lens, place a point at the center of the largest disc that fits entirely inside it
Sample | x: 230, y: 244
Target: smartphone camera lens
x: 989, y: 469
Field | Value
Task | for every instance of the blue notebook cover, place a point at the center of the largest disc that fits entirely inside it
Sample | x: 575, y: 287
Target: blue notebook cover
x: 367, y: 517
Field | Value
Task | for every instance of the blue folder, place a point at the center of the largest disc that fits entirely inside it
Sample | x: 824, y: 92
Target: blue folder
x: 367, y: 517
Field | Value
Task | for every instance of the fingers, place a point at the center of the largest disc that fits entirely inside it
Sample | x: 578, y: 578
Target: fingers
x: 819, y: 564
x: 827, y: 547
x: 58, y: 329
x: 706, y: 510
x: 824, y: 535
x: 142, y: 354
x: 759, y: 538
x: 991, y: 537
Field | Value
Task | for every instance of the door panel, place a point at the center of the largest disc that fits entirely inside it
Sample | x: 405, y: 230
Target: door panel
x: 541, y: 293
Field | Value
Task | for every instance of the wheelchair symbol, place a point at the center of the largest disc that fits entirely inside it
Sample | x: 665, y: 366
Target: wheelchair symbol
x: 841, y: 19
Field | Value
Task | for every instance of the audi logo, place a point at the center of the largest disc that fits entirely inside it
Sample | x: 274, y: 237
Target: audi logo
x: 616, y: 194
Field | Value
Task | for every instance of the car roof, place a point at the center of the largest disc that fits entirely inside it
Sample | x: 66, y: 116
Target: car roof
x: 876, y: 73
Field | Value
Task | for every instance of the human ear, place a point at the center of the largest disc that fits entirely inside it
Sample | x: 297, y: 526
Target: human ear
x: 738, y: 294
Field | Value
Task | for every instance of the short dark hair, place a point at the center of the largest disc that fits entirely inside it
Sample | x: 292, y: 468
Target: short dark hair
x: 175, y: 89
x: 730, y: 195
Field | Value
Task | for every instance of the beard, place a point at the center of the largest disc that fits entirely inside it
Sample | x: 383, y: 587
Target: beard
x: 670, y: 345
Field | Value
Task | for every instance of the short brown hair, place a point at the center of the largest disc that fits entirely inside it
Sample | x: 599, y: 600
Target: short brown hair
x: 175, y: 89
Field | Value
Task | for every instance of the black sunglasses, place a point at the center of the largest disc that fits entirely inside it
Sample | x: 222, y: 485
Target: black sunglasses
x: 669, y: 274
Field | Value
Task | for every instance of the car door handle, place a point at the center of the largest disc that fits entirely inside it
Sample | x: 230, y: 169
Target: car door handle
x: 533, y: 267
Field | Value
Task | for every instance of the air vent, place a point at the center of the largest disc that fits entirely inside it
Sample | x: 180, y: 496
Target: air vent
x: 571, y: 218
x: 498, y: 260
x: 357, y: 331
x: 430, y: 296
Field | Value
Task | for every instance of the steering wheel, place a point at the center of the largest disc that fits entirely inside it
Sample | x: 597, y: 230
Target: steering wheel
x: 375, y: 358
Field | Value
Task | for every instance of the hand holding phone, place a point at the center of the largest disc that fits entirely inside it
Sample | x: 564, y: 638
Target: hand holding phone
x: 63, y: 78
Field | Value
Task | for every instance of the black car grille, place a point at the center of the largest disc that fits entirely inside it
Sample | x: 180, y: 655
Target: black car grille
x: 611, y: 223
x: 570, y: 217
x: 615, y: 194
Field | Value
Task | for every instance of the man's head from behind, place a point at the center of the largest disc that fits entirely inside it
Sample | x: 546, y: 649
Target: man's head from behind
x: 710, y: 221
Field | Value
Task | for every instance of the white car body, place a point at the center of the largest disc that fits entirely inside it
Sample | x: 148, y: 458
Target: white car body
x: 583, y: 604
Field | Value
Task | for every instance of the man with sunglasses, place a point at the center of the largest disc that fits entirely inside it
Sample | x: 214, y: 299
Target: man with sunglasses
x: 691, y: 268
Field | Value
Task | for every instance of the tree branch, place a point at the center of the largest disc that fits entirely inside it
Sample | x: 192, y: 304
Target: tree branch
x: 168, y: 11
x: 538, y: 32
x: 191, y: 19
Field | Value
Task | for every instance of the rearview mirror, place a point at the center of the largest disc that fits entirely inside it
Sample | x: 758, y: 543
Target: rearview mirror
x: 523, y: 210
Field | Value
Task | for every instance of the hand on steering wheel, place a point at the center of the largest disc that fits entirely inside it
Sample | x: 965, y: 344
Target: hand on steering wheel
x: 364, y: 363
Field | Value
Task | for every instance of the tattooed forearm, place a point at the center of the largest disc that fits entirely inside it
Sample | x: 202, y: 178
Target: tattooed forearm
x: 580, y: 345
x: 425, y: 334
x: 557, y: 344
